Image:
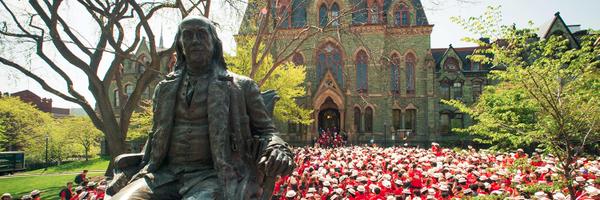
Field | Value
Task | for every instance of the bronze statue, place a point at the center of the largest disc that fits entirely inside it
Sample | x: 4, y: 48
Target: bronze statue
x: 212, y: 137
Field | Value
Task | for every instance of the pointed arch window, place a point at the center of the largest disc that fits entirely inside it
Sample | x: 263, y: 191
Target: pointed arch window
x: 361, y: 71
x: 298, y: 59
x: 410, y: 119
x: 357, y: 120
x: 394, y: 65
x: 283, y: 13
x: 402, y: 15
x: 335, y: 14
x: 369, y: 120
x: 397, y: 119
x: 323, y: 18
x: 298, y: 13
x: 128, y: 90
x: 360, y: 12
x: 374, y: 13
x: 330, y: 58
x: 410, y: 73
x: 116, y: 98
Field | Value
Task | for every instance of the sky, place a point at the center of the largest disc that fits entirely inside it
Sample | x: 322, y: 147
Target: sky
x: 445, y: 32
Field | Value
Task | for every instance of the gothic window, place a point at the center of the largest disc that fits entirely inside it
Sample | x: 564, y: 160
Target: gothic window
x: 335, y: 14
x: 394, y: 65
x: 140, y: 66
x: 402, y: 16
x: 298, y: 59
x: 361, y: 71
x: 457, y: 90
x: 323, y: 19
x: 330, y: 58
x: 397, y: 119
x: 410, y: 74
x: 410, y: 117
x: 444, y: 123
x: 357, y: 119
x: 369, y: 120
x: 374, y: 13
x: 128, y: 90
x: 116, y: 98
x: 476, y: 88
x: 445, y: 89
x: 298, y: 13
x: 360, y: 12
x: 283, y: 13
x: 451, y: 64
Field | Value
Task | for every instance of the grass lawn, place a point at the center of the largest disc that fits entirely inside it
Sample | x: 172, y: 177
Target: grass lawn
x: 50, y: 181
x: 95, y: 164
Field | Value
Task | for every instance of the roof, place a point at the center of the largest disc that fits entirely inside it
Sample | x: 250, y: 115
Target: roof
x: 462, y: 52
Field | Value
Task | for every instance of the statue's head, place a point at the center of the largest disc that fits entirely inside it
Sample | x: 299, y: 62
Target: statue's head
x: 197, y: 42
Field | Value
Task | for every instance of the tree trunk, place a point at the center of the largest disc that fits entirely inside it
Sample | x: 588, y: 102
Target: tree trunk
x: 86, y: 153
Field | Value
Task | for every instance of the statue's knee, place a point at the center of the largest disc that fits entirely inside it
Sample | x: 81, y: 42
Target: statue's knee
x: 137, y: 190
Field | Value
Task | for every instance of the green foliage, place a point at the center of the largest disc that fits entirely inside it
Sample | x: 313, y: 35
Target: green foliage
x: 547, y: 92
x: 140, y: 123
x: 25, y: 127
x: 82, y: 134
x: 287, y: 80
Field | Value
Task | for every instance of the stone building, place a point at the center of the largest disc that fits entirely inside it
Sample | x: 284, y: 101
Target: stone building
x: 378, y: 80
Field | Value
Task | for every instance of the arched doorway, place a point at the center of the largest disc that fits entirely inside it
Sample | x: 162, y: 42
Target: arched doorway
x: 329, y: 119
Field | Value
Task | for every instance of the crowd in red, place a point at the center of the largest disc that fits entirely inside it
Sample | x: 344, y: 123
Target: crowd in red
x: 374, y: 173
x: 330, y: 138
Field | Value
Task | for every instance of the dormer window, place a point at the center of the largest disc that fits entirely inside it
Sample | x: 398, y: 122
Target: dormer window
x: 451, y: 64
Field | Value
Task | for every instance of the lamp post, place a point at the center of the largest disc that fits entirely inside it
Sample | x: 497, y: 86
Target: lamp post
x: 46, y: 166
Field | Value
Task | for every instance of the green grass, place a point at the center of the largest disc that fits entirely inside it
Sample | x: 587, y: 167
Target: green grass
x: 52, y: 180
x: 95, y: 164
x: 50, y: 185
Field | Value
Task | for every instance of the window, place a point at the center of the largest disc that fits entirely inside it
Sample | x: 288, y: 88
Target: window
x: 410, y: 119
x: 369, y: 120
x: 374, y: 13
x: 128, y: 90
x: 357, y: 120
x: 394, y: 73
x: 335, y: 14
x: 323, y: 19
x: 477, y: 87
x: 451, y: 64
x: 140, y: 65
x: 457, y: 121
x: 298, y: 59
x: 457, y: 90
x: 475, y: 66
x: 402, y: 16
x: 410, y: 74
x: 444, y: 123
x: 298, y: 13
x: 116, y: 98
x: 359, y: 14
x: 397, y: 119
x: 445, y: 89
x: 361, y: 71
x: 330, y: 58
x: 283, y: 14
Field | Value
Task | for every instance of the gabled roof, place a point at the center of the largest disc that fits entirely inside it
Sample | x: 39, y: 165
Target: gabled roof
x: 439, y: 54
x: 557, y: 23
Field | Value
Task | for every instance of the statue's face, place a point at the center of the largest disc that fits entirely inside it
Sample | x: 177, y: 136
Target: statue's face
x: 196, y: 42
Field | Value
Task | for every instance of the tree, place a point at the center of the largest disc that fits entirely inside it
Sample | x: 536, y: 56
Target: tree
x: 83, y: 134
x: 46, y: 27
x: 555, y: 78
x: 23, y: 124
x: 287, y: 80
x: 141, y: 123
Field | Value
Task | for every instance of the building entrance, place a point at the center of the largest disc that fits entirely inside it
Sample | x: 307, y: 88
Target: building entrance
x: 329, y: 119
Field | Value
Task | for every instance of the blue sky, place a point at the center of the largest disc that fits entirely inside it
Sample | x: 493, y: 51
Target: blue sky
x: 583, y: 12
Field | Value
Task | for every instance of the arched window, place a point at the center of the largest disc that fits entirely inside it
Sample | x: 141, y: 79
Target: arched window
x: 397, y: 119
x: 298, y: 13
x: 394, y: 65
x: 330, y: 58
x: 298, y: 59
x: 402, y: 16
x: 369, y: 120
x: 116, y: 98
x: 359, y: 14
x: 374, y: 13
x: 323, y: 18
x: 361, y: 71
x: 129, y: 90
x: 451, y: 64
x: 476, y: 88
x: 410, y: 73
x: 283, y: 13
x: 335, y: 14
x: 410, y: 118
x: 357, y: 116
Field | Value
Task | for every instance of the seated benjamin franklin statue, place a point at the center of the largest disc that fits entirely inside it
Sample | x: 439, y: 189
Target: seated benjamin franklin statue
x: 212, y: 137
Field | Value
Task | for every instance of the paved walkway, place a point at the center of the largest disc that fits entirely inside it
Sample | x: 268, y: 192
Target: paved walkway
x: 25, y: 174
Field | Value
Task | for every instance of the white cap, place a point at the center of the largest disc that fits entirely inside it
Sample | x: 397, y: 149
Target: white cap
x: 290, y: 194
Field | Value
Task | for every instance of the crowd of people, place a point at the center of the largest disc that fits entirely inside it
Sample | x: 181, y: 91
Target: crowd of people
x: 85, y: 189
x: 374, y: 173
x: 331, y: 138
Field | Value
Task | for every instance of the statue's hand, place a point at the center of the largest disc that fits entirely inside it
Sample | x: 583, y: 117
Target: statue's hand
x: 277, y: 162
